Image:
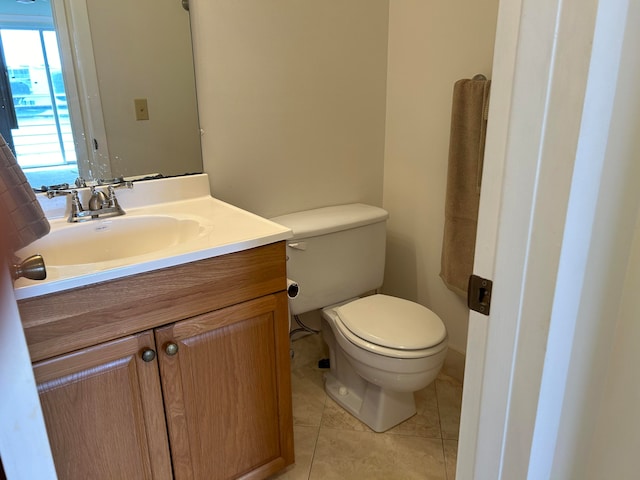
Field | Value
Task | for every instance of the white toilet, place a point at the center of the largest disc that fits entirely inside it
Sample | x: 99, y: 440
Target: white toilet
x: 382, y: 349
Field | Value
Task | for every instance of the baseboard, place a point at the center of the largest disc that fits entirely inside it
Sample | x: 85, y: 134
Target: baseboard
x: 454, y: 364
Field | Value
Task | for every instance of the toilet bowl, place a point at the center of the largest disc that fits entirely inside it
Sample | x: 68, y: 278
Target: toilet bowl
x: 382, y: 350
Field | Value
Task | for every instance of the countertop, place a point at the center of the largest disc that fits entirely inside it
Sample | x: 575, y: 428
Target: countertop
x: 223, y: 229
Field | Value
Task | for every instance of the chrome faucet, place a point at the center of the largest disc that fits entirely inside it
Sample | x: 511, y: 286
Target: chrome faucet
x: 100, y: 204
x: 98, y: 199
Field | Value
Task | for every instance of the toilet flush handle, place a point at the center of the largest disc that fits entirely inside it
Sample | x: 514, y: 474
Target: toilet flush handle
x: 298, y: 245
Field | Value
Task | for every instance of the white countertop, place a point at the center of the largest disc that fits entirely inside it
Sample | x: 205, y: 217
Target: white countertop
x: 223, y: 229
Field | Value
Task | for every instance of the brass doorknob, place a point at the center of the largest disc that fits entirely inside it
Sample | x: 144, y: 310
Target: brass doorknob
x: 32, y: 268
x: 171, y: 349
x: 148, y: 355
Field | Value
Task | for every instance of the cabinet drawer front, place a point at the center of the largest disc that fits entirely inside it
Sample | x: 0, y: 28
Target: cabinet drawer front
x: 66, y: 321
x: 227, y: 390
x: 104, y: 413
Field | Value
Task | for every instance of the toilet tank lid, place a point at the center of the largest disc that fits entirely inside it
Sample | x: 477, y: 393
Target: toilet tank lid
x: 321, y: 221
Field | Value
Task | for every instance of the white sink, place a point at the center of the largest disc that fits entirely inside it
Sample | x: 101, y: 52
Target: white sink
x: 113, y: 239
x: 168, y: 222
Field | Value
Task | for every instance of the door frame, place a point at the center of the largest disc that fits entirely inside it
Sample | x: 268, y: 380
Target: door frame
x: 554, y: 88
x: 71, y: 20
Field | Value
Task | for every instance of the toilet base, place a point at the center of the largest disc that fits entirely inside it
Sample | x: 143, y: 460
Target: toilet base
x: 372, y: 405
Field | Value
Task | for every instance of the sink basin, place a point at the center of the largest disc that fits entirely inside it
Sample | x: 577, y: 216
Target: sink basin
x: 112, y: 239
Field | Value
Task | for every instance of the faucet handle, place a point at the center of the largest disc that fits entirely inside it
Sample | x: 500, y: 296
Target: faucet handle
x: 113, y: 201
x: 59, y: 192
x: 76, y: 204
x: 110, y: 181
x: 123, y: 183
x: 60, y: 186
x: 75, y: 198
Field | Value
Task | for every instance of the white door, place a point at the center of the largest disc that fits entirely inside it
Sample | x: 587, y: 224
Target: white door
x: 24, y: 445
x: 560, y: 84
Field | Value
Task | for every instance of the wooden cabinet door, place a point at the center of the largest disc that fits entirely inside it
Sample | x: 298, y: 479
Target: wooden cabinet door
x: 104, y: 412
x: 227, y: 391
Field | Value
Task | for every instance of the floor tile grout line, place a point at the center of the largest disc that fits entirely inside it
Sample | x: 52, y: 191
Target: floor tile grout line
x: 444, y: 455
x: 315, y: 445
x: 444, y: 460
x: 435, y: 389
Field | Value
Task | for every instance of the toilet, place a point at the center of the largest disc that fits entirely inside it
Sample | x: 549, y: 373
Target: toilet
x: 382, y: 348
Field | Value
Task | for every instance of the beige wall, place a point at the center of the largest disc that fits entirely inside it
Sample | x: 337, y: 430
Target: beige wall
x: 431, y: 45
x: 292, y: 97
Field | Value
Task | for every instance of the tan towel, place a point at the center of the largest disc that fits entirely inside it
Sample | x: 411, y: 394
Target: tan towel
x: 466, y: 153
x: 21, y: 217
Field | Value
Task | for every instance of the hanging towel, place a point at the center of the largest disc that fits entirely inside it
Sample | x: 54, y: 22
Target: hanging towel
x: 21, y: 217
x: 466, y: 153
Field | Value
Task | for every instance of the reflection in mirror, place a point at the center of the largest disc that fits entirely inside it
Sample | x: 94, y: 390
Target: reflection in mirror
x: 98, y: 89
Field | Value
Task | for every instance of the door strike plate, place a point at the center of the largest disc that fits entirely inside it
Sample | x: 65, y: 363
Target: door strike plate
x: 479, y: 294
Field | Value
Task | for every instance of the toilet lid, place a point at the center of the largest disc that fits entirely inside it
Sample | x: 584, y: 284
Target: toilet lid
x: 392, y: 322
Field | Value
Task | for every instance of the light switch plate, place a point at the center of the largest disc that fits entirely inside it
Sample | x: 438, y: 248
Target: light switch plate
x: 142, y: 110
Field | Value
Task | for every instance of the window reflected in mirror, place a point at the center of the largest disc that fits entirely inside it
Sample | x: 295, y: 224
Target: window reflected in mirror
x: 35, y: 120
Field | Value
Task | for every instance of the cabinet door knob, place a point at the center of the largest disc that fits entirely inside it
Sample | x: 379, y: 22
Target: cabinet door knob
x: 171, y: 349
x: 148, y: 355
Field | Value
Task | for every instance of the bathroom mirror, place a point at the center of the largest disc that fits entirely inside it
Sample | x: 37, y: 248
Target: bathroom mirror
x: 117, y: 98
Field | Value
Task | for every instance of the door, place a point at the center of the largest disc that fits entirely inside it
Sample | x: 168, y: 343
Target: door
x: 554, y: 83
x: 227, y: 389
x: 128, y: 438
x: 24, y: 446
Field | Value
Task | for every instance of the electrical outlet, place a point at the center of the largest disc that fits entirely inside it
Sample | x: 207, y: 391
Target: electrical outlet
x: 142, y: 110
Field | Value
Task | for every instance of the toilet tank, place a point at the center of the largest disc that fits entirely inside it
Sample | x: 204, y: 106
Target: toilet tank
x: 336, y: 253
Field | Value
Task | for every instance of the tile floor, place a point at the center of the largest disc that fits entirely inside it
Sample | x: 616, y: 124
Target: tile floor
x: 331, y: 444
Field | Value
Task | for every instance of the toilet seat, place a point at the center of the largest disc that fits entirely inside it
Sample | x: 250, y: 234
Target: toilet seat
x: 391, y: 326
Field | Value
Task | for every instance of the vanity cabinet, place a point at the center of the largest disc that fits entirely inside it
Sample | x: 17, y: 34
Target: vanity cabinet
x: 104, y: 412
x: 177, y: 373
x: 222, y: 390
